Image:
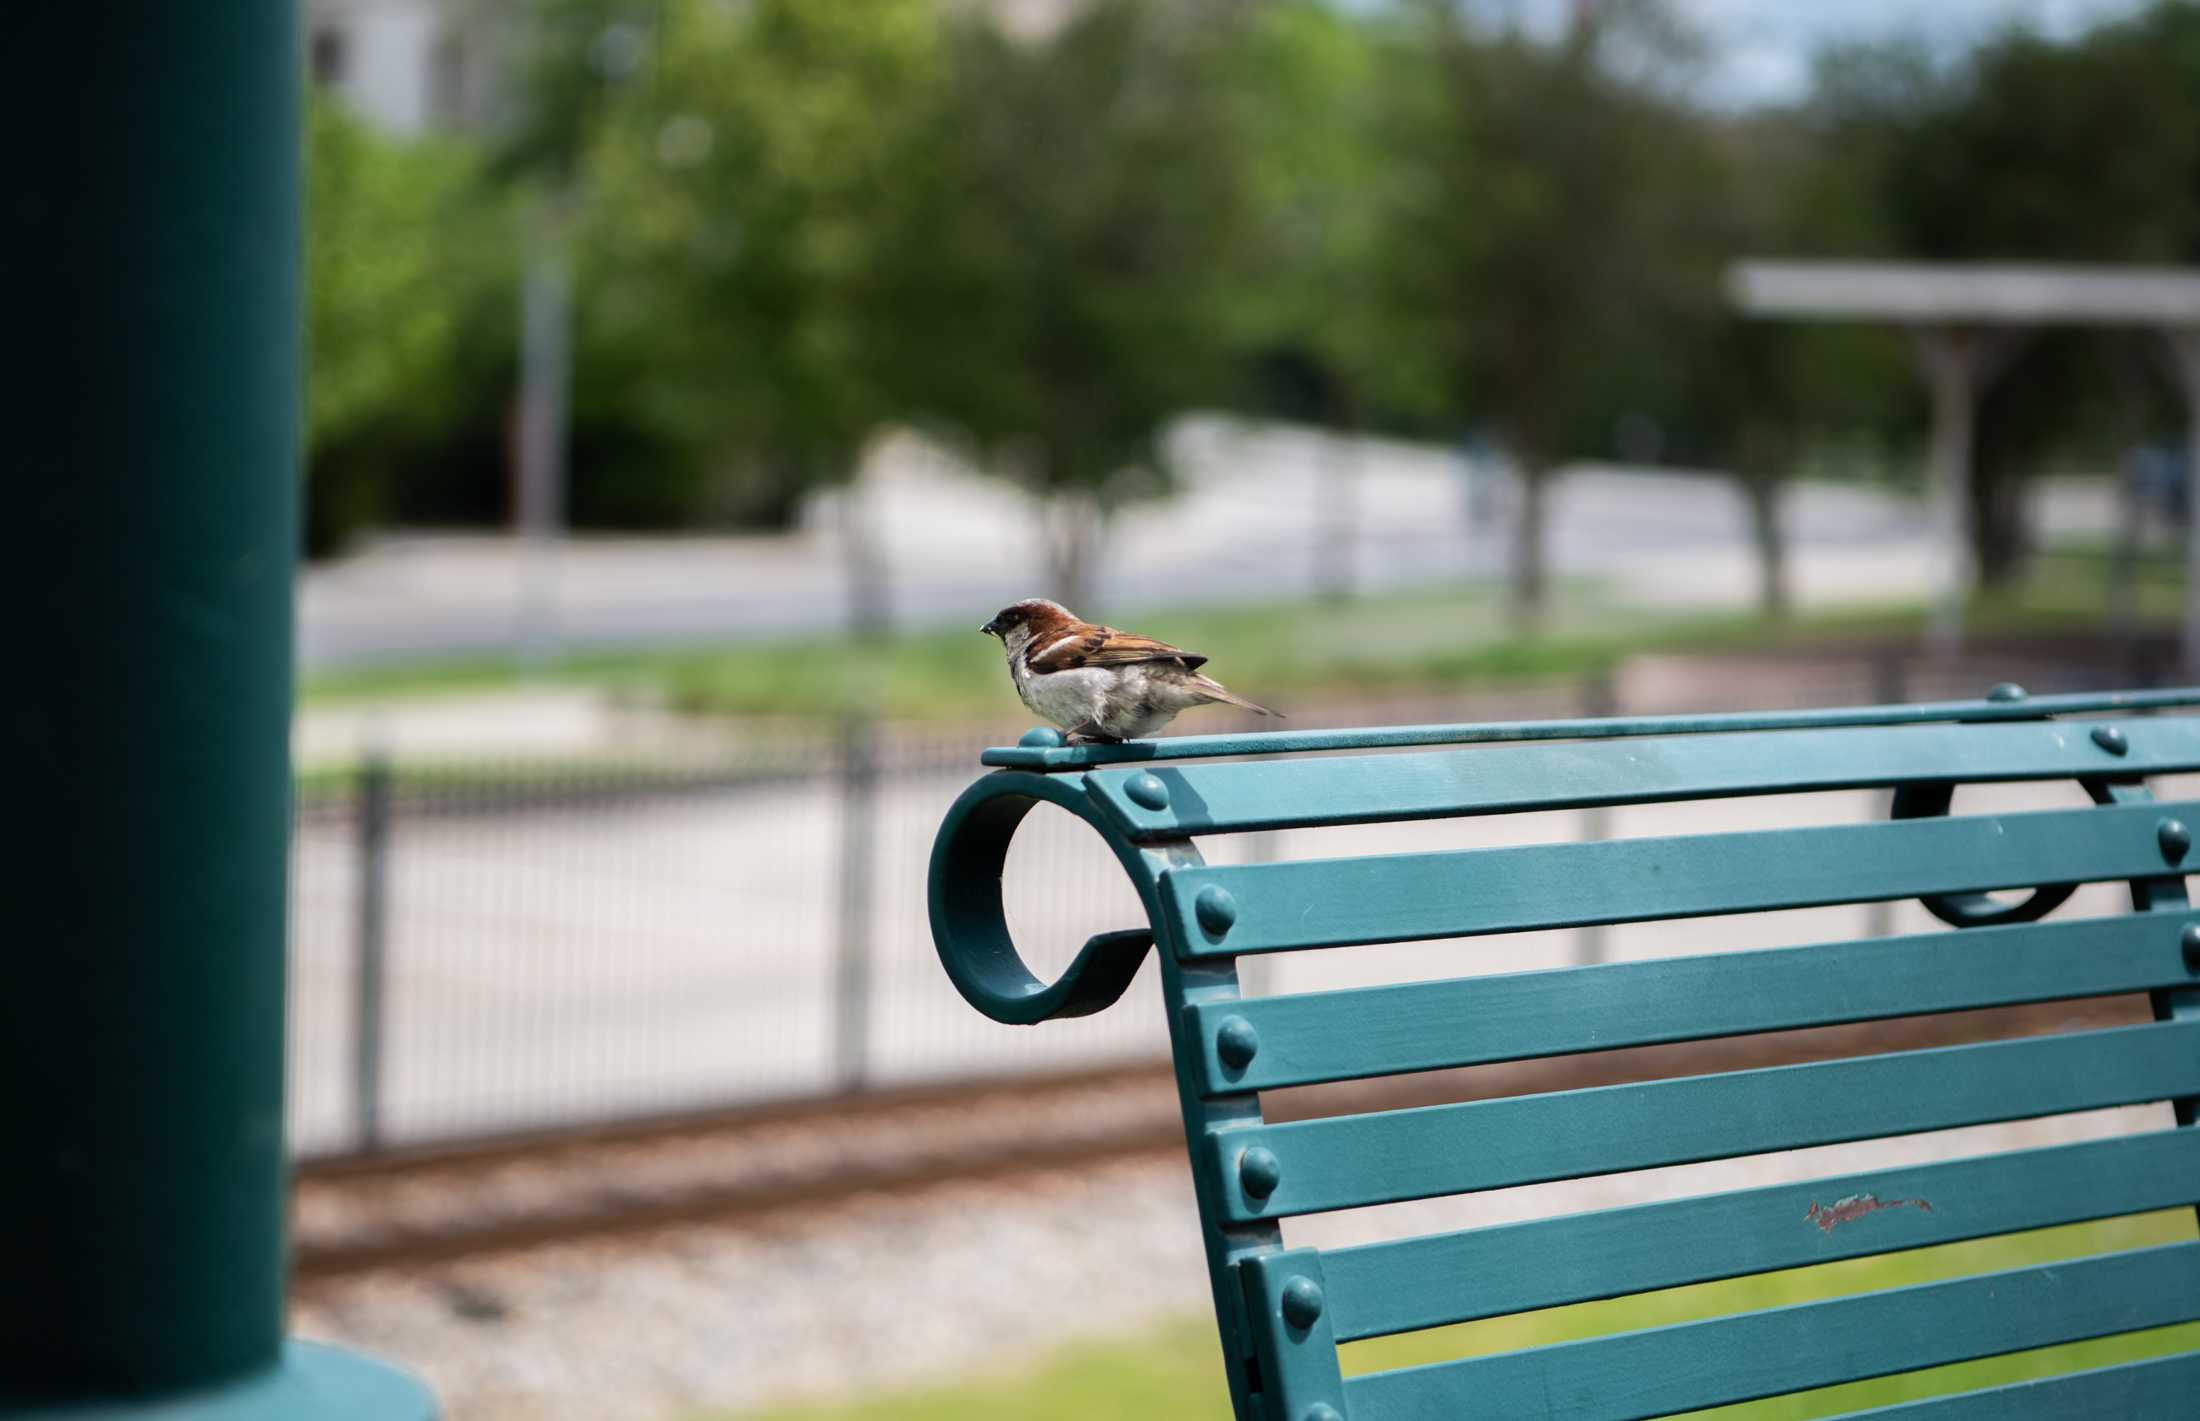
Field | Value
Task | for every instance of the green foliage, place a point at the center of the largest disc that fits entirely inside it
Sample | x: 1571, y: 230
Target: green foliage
x: 799, y: 222
x: 1301, y: 85
x: 1551, y: 222
x: 1546, y: 214
x: 736, y: 231
x: 2033, y: 150
x: 408, y: 251
x: 1065, y: 243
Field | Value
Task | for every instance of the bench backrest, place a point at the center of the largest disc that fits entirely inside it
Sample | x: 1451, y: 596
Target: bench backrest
x: 1284, y: 1311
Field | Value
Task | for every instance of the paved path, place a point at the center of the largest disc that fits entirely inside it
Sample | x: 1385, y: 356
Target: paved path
x: 1257, y: 504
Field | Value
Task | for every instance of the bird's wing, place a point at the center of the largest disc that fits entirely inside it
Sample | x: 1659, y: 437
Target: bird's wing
x: 1105, y: 646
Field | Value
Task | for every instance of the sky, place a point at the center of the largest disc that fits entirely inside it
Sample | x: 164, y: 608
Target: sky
x: 1761, y: 49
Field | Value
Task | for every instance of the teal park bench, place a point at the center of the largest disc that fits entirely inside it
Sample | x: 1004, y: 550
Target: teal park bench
x: 1283, y: 1311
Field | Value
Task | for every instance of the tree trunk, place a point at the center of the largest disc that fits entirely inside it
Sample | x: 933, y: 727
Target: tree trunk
x: 1073, y: 525
x: 870, y: 604
x: 2128, y: 369
x: 1337, y: 520
x: 1997, y: 521
x: 1762, y: 492
x: 1530, y: 590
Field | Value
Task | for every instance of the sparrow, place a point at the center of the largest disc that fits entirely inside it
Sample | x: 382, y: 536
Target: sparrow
x: 1099, y: 684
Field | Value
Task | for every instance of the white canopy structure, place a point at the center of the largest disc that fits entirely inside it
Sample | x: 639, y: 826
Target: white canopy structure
x: 1966, y: 321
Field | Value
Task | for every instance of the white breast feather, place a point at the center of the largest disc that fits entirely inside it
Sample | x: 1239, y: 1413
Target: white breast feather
x: 1068, y: 698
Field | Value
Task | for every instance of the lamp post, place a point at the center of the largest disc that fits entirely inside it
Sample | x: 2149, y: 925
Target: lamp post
x: 153, y: 369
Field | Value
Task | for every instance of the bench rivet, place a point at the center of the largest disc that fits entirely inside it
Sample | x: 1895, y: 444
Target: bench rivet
x: 1215, y: 909
x: 1148, y: 792
x: 1322, y: 1411
x: 1302, y: 1302
x: 2007, y: 691
x: 2190, y: 941
x: 2111, y: 739
x: 2175, y: 839
x: 1236, y: 1043
x: 1041, y: 737
x: 1259, y: 1171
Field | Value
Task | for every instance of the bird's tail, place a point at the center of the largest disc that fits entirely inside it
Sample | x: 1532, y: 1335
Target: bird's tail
x: 1214, y: 690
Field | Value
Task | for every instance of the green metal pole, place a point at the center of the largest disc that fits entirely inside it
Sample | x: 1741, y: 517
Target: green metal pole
x: 153, y: 385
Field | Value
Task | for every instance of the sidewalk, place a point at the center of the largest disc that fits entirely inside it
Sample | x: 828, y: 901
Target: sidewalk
x: 1260, y: 502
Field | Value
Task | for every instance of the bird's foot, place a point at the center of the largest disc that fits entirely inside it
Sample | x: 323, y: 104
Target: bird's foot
x: 1090, y: 734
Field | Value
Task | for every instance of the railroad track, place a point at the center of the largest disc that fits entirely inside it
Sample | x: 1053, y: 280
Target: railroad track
x: 413, y: 1208
x: 401, y: 1208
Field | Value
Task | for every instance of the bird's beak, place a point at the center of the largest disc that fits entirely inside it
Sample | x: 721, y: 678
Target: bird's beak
x: 992, y: 628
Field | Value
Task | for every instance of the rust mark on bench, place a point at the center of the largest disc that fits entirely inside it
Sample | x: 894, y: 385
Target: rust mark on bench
x: 1856, y: 1206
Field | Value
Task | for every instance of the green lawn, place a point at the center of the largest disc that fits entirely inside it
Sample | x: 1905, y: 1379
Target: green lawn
x: 1432, y: 637
x: 1443, y: 638
x: 1173, y: 1373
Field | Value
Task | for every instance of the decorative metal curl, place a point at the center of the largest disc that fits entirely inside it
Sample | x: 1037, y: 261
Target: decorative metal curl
x: 1980, y: 910
x: 970, y: 931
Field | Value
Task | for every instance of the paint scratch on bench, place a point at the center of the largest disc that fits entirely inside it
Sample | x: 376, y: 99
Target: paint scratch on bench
x: 1856, y: 1206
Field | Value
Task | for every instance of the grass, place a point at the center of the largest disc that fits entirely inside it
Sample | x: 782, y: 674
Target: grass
x: 1421, y: 638
x: 1278, y: 652
x: 1439, y: 639
x: 1173, y: 1373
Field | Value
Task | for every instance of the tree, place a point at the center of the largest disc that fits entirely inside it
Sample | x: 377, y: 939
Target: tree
x: 737, y: 240
x: 1079, y: 197
x: 1755, y: 397
x: 1300, y: 84
x: 1549, y: 213
x: 2030, y: 150
x: 404, y: 251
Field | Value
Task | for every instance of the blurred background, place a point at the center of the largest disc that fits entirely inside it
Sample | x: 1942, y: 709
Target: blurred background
x: 690, y: 378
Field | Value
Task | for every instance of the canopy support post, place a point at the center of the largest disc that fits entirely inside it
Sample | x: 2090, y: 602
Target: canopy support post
x: 148, y: 558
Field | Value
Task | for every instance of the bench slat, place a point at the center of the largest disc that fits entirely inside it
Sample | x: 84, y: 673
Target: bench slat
x: 1379, y: 737
x: 1233, y: 798
x: 1638, y: 1375
x: 2157, y: 1390
x: 1338, y: 902
x: 1409, y: 1284
x: 1380, y: 1158
x: 1420, y: 1026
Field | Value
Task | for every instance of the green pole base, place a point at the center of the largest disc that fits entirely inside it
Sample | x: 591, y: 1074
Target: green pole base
x: 314, y: 1382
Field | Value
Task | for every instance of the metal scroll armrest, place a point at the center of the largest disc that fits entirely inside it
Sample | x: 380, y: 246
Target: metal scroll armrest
x: 1980, y: 910
x: 971, y: 933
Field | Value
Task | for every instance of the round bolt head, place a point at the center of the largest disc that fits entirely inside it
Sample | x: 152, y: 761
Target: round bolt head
x: 1259, y: 1172
x: 1147, y: 792
x: 1302, y: 1302
x: 2175, y: 839
x: 2190, y: 941
x: 1041, y: 737
x: 1215, y: 909
x: 1236, y: 1043
x: 2007, y: 691
x: 2112, y: 739
x: 1322, y: 1411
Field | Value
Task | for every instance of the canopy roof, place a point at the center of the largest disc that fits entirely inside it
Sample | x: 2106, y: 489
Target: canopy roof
x: 1956, y: 293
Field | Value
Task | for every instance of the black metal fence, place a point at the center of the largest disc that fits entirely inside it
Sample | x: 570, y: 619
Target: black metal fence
x: 709, y: 919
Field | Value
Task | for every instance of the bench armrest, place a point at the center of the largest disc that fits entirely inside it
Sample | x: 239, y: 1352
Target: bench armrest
x: 970, y: 931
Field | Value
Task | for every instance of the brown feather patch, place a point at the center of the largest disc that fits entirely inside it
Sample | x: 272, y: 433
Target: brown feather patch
x: 1105, y: 646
